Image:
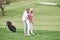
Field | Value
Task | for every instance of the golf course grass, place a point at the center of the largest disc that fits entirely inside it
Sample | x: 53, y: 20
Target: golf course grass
x: 46, y: 21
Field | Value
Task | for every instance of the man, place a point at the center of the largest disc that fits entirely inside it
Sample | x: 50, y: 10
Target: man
x: 26, y: 22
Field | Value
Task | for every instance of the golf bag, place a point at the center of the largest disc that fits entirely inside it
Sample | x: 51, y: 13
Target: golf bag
x: 11, y: 27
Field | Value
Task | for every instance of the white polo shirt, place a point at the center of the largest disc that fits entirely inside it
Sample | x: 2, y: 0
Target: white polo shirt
x: 25, y: 15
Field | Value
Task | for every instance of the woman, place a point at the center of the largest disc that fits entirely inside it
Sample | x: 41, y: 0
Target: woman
x: 31, y: 20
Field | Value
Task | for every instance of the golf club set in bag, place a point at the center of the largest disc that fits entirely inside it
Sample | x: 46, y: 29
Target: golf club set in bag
x: 10, y: 26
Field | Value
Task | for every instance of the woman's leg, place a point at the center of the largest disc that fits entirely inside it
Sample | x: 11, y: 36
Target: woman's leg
x: 31, y: 28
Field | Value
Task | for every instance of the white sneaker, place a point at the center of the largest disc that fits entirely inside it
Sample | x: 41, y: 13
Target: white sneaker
x: 32, y: 33
x: 25, y: 34
x: 28, y: 34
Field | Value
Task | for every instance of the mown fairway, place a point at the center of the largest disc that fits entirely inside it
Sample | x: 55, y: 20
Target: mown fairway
x: 46, y: 21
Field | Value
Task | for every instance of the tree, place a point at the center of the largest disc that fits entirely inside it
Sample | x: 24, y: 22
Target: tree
x: 2, y: 5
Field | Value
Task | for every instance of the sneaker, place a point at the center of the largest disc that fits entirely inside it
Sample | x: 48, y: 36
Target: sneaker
x: 28, y: 35
x: 32, y: 33
x: 25, y: 34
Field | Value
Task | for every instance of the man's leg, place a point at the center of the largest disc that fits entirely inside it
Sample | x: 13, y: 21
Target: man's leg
x: 25, y: 27
x: 28, y: 27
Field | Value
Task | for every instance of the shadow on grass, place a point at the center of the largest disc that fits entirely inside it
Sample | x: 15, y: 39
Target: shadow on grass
x: 58, y: 6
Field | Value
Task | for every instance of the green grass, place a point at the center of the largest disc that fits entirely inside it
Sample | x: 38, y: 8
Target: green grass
x: 46, y: 21
x: 40, y: 35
